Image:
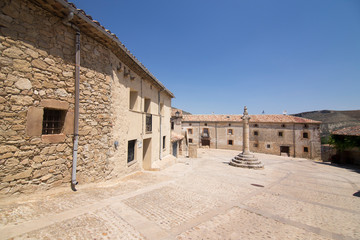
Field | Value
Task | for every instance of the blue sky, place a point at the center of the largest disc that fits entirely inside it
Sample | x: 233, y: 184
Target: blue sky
x: 217, y: 56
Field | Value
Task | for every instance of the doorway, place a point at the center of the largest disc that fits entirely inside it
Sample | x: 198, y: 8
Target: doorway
x: 285, y: 151
x: 147, y: 154
x: 205, y: 142
x: 175, y: 144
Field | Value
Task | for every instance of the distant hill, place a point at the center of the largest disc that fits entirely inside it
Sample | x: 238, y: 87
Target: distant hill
x: 332, y: 120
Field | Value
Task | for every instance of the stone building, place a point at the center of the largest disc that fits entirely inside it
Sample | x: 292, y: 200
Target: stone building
x: 73, y: 97
x: 271, y: 134
x: 176, y: 132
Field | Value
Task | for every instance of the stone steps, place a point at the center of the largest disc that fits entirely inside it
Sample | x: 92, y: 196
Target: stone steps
x: 246, y: 161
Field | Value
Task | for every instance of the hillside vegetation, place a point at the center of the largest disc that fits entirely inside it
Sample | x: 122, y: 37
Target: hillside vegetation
x: 332, y: 120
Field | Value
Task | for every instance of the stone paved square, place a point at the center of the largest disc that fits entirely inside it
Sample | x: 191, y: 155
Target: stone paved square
x: 202, y: 198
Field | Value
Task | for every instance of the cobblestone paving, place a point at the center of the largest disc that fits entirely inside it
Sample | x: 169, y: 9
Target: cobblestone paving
x: 241, y: 224
x: 327, y: 218
x: 171, y: 206
x: 102, y: 224
x: 201, y: 198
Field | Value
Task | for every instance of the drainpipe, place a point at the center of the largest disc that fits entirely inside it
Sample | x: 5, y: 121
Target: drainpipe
x: 216, y: 134
x: 77, y: 93
x: 159, y: 112
x: 294, y: 140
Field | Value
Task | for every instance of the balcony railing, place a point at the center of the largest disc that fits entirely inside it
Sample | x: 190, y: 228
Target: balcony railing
x: 148, y: 123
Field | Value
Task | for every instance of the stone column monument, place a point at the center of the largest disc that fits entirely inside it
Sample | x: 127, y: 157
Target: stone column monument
x: 246, y: 159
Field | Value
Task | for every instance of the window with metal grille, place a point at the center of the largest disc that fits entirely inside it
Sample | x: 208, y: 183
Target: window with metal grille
x: 53, y: 121
x: 148, y: 122
x: 280, y: 134
x: 230, y: 142
x: 190, y: 140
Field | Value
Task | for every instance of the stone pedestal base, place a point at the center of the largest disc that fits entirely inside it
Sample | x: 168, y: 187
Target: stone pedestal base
x: 246, y: 161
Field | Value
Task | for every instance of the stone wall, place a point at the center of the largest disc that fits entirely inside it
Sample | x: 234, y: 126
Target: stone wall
x: 37, y: 58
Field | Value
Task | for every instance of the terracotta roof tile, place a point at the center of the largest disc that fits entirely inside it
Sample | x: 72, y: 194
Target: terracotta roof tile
x: 254, y: 118
x: 349, y: 131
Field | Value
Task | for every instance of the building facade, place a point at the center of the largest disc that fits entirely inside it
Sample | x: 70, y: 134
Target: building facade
x: 272, y: 134
x: 70, y: 92
x: 177, y: 136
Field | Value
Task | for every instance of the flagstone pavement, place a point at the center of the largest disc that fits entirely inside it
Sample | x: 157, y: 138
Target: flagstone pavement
x: 202, y: 198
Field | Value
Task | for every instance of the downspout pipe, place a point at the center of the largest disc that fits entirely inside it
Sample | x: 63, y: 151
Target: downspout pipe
x: 159, y: 112
x: 77, y: 93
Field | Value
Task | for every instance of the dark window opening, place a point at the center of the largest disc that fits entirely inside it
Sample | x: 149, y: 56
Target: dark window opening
x: 256, y: 125
x: 190, y: 131
x: 205, y: 124
x: 282, y: 125
x: 164, y: 145
x: 268, y: 146
x: 280, y: 134
x: 229, y: 124
x: 230, y: 131
x: 306, y: 149
x: 230, y: 142
x: 256, y: 133
x: 256, y: 145
x: 306, y: 126
x: 53, y: 121
x: 131, y: 150
x: 189, y: 124
x: 190, y: 140
x: 305, y: 135
x: 172, y: 125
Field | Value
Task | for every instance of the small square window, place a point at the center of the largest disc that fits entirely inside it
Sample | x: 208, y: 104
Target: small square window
x: 306, y: 149
x: 190, y: 140
x: 305, y: 135
x: 230, y: 142
x: 268, y: 146
x: 256, y: 133
x: 131, y: 151
x: 230, y: 131
x: 282, y: 125
x: 229, y: 124
x: 280, y: 134
x: 256, y: 145
x: 205, y: 124
x: 189, y: 124
x: 306, y: 126
x: 53, y: 121
x: 255, y: 125
x: 190, y: 131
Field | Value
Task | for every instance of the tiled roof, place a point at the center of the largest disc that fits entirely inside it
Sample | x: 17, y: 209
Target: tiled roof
x: 349, y: 131
x: 254, y: 118
x: 94, y: 28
